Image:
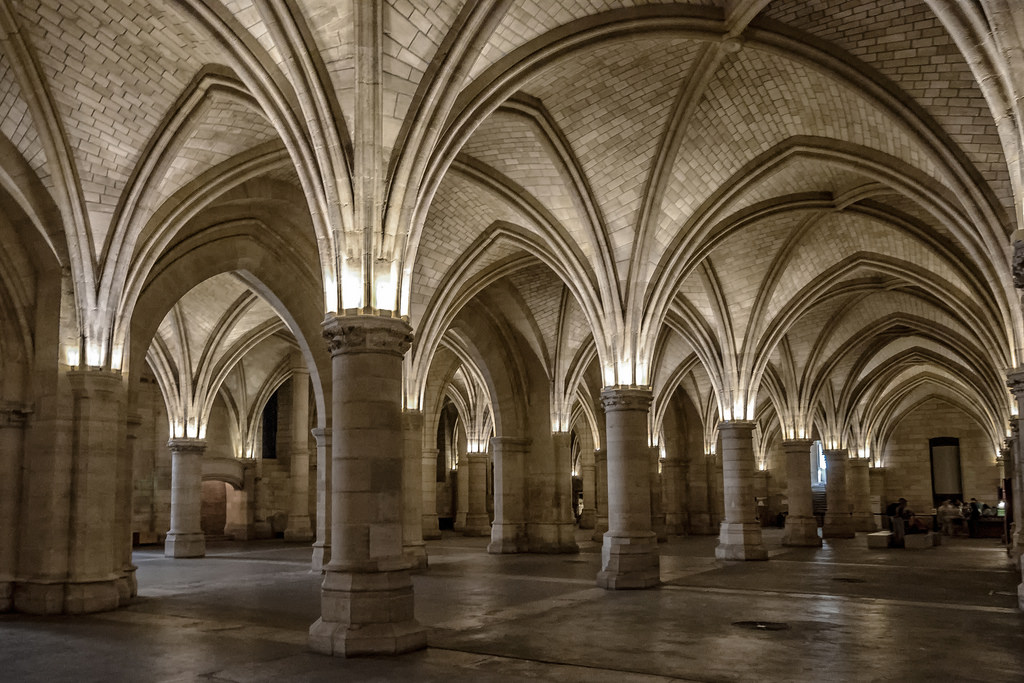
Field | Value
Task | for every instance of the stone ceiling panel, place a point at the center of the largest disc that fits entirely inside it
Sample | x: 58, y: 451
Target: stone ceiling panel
x: 757, y: 101
x: 223, y: 128
x: 413, y: 33
x: 906, y: 42
x: 541, y: 290
x: 742, y: 261
x: 509, y: 144
x: 460, y: 212
x: 17, y: 124
x: 114, y: 69
x: 613, y: 103
x: 840, y: 235
x: 528, y: 19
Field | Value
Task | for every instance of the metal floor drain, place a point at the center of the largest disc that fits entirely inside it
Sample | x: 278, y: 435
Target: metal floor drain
x: 762, y: 625
x: 848, y: 579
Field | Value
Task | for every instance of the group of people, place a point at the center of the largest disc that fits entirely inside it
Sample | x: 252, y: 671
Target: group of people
x: 950, y: 516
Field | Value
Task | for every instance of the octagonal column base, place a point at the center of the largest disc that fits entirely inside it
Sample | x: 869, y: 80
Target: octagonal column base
x: 366, y: 614
x: 740, y: 541
x: 801, y: 531
x: 629, y: 562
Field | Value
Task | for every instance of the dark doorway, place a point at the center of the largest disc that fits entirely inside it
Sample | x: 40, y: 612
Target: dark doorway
x: 946, y: 481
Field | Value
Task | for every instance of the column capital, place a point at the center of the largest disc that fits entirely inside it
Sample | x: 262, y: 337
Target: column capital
x: 842, y: 453
x: 367, y: 334
x: 736, y: 425
x: 187, y: 445
x: 90, y: 381
x: 797, y: 444
x: 509, y: 442
x: 626, y: 398
x: 321, y: 434
x: 1015, y: 382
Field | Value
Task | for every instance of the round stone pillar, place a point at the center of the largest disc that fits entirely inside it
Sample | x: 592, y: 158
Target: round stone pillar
x: 508, y: 533
x: 412, y: 489
x: 322, y: 544
x: 588, y: 515
x: 478, y: 522
x: 629, y: 555
x: 428, y: 463
x: 127, y: 585
x: 657, y: 504
x: 186, y: 539
x: 859, y: 483
x: 600, y: 495
x: 366, y: 597
x: 299, y: 529
x: 673, y: 482
x: 739, y: 536
x: 13, y: 417
x: 838, y: 520
x: 801, y: 526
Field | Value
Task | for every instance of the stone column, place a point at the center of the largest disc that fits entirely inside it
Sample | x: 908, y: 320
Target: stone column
x: 13, y: 417
x: 477, y: 522
x: 322, y: 544
x: 657, y: 505
x: 367, y: 597
x: 673, y: 483
x: 859, y: 484
x: 239, y: 508
x: 629, y: 555
x: 801, y: 526
x: 94, y: 569
x: 838, y: 520
x: 186, y: 539
x: 551, y: 527
x: 508, y: 533
x: 461, y: 494
x: 588, y: 515
x: 739, y: 536
x: 412, y: 489
x: 600, y: 494
x: 1015, y: 381
x: 127, y: 585
x: 428, y: 462
x: 299, y: 528
x: 716, y: 490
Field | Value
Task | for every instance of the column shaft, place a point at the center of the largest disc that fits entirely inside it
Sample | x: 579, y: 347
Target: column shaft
x: 838, y: 519
x: 508, y: 533
x: 477, y: 521
x: 299, y: 528
x: 739, y: 537
x: 588, y: 515
x: 657, y: 503
x: 428, y: 461
x: 412, y: 489
x: 629, y: 554
x: 673, y: 482
x: 801, y: 526
x: 367, y: 598
x: 12, y: 424
x: 859, y: 484
x: 322, y: 544
x: 551, y: 525
x: 600, y: 494
x: 186, y: 539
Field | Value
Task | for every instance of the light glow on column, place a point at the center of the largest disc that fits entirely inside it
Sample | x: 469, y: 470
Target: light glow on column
x: 94, y: 354
x: 330, y: 294
x: 385, y: 292
x: 351, y: 284
x: 609, y: 375
x: 71, y: 354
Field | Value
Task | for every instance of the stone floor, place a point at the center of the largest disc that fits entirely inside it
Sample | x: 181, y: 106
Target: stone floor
x: 843, y: 613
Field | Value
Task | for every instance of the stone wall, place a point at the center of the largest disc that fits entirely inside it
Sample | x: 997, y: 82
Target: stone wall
x: 907, y: 463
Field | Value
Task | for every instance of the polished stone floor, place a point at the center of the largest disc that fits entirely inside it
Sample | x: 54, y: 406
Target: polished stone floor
x: 841, y: 613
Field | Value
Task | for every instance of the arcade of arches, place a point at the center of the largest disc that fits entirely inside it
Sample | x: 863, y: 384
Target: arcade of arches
x: 363, y: 269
